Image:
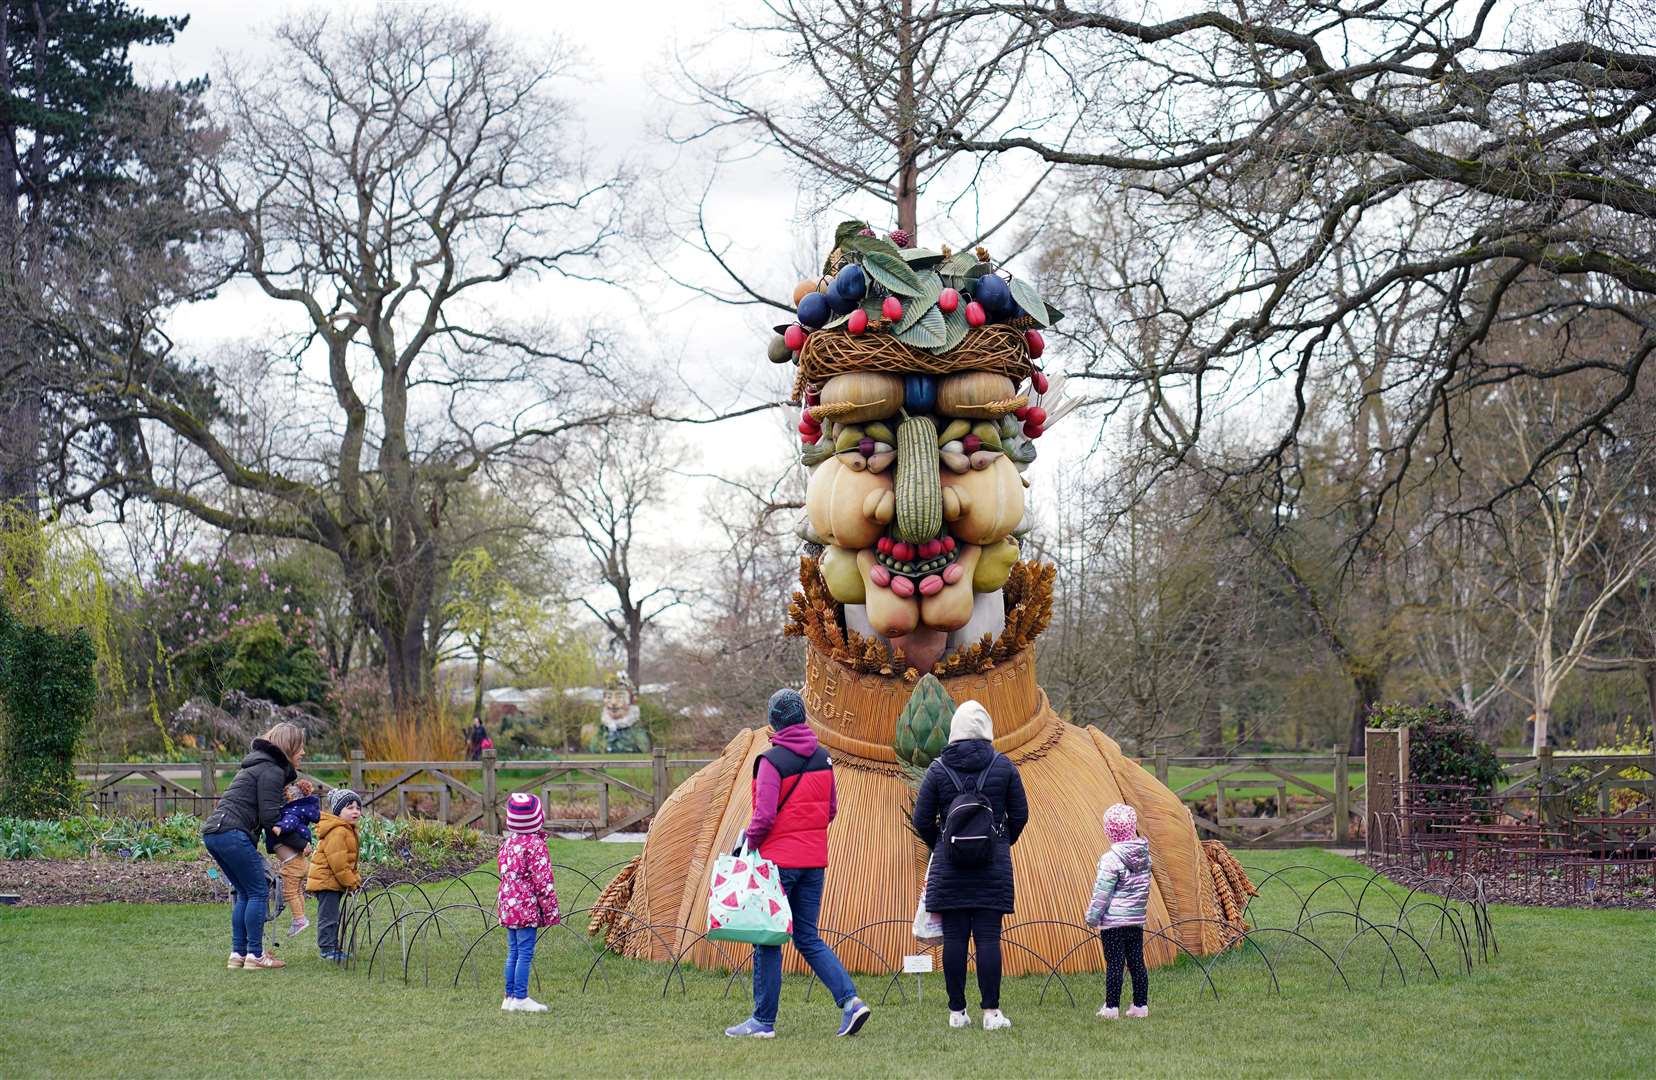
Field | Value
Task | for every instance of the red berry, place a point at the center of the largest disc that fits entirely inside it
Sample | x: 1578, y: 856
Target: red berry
x: 857, y: 323
x: 1021, y: 412
x: 892, y: 308
x: 1035, y: 342
x: 794, y: 337
x: 808, y: 428
x: 972, y: 444
x: 948, y: 543
x: 974, y: 314
x: 948, y: 300
x: 1038, y: 379
x: 901, y: 238
x: 902, y: 551
x: 1036, y: 416
x: 931, y: 549
x: 1032, y: 429
x: 811, y: 439
x: 885, y: 545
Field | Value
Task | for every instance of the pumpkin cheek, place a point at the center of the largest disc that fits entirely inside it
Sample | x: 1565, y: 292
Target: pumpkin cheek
x: 838, y: 502
x: 993, y: 501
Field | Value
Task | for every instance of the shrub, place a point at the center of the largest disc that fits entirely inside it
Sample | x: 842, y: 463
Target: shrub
x: 1443, y: 748
x: 48, y: 687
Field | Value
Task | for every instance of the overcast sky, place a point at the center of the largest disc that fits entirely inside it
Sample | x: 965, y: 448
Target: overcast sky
x: 626, y: 52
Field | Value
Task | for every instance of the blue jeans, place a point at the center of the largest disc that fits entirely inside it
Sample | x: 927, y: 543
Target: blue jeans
x: 803, y: 888
x: 520, y: 954
x: 241, y: 862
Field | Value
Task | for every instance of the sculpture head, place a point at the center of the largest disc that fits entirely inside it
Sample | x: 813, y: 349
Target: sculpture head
x: 618, y: 696
x: 921, y: 403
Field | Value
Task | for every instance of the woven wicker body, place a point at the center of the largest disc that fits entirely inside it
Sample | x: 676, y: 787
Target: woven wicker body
x: 877, y: 866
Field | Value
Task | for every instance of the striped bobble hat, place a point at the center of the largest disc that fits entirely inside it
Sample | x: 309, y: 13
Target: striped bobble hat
x: 1120, y: 823
x: 524, y: 814
x: 340, y: 798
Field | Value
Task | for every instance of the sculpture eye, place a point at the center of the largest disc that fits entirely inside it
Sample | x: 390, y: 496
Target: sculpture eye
x: 977, y: 395
x: 858, y: 397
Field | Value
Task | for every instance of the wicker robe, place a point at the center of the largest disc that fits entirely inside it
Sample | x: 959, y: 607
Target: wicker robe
x: 877, y: 864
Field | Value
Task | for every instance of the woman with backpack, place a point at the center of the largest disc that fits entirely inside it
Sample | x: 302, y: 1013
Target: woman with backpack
x: 970, y: 811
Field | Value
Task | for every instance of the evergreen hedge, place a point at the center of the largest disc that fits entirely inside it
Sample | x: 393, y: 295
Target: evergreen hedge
x: 48, y: 687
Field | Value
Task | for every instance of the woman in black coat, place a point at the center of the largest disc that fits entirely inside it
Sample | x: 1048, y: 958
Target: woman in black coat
x: 972, y: 899
x: 248, y: 807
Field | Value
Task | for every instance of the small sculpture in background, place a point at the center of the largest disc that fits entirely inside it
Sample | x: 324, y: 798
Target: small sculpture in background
x: 620, y: 729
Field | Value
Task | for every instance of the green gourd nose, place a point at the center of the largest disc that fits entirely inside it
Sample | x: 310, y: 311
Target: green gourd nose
x: 918, y: 485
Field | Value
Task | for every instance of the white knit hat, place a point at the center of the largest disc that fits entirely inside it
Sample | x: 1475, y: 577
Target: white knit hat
x: 971, y: 721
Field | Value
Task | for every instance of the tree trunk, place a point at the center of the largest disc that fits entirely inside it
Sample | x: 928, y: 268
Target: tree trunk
x: 908, y: 172
x: 1650, y: 697
x: 477, y: 678
x: 1543, y: 721
x: 1211, y: 726
x: 1367, y: 687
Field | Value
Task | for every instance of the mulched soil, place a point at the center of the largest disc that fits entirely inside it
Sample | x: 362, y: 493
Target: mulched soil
x: 1527, y: 889
x: 43, y: 882
x: 99, y: 881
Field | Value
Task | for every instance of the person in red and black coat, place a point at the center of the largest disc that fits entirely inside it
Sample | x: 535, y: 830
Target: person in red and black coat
x: 793, y: 802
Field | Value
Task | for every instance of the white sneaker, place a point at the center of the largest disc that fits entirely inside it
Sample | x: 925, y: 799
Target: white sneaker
x: 1107, y: 1013
x: 994, y: 1020
x: 508, y: 1005
x: 529, y: 1004
x: 960, y: 1019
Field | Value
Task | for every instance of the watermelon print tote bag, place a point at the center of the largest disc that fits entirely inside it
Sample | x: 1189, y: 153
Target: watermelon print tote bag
x: 745, y: 901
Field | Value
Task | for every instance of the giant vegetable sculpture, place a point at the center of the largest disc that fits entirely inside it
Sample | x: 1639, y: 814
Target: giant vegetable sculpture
x: 918, y: 373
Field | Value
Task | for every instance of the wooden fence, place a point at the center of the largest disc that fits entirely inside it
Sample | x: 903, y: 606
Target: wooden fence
x: 621, y: 793
x: 1255, y: 801
x: 1294, y: 811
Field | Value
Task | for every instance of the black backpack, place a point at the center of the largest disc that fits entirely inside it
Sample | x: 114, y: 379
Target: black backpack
x: 970, y: 830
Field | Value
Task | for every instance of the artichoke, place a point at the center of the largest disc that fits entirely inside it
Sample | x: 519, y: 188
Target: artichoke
x: 923, y: 725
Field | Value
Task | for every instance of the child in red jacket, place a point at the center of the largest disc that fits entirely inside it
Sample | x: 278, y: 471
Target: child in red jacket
x: 528, y: 896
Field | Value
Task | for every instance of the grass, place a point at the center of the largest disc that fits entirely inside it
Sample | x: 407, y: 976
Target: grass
x: 142, y: 991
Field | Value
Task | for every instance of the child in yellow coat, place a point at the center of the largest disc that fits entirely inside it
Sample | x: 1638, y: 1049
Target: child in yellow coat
x: 333, y: 868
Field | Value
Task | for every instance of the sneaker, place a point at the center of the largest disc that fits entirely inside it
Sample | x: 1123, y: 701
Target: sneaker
x: 960, y: 1019
x: 255, y: 963
x: 529, y: 1004
x: 751, y: 1029
x: 994, y: 1020
x: 298, y: 926
x: 856, y: 1015
x: 508, y: 1004
x: 236, y: 960
x: 1107, y: 1013
x: 1138, y: 1010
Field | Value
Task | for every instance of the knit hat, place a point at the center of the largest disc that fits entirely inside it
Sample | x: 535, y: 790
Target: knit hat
x: 971, y: 721
x: 786, y: 709
x: 524, y: 813
x: 1120, y: 823
x: 341, y: 797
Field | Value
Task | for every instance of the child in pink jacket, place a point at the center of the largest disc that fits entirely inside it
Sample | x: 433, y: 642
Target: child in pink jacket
x: 528, y: 896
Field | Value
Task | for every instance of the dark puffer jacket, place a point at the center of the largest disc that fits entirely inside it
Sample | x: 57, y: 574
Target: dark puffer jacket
x: 950, y: 887
x: 253, y: 801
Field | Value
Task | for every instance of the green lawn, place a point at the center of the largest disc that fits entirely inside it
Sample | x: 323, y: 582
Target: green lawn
x: 139, y: 991
x: 1259, y: 783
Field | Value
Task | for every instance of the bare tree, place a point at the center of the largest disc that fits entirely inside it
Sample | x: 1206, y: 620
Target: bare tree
x: 1258, y: 143
x: 860, y: 97
x: 606, y: 490
x: 1566, y: 564
x: 390, y: 179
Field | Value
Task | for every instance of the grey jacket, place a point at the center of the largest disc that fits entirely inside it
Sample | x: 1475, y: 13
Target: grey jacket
x: 1121, y: 892
x: 253, y: 801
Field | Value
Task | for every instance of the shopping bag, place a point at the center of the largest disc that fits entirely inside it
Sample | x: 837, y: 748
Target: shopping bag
x: 745, y: 901
x: 928, y: 925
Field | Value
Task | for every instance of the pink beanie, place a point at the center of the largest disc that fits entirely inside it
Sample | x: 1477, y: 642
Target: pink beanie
x: 524, y: 814
x: 1120, y: 823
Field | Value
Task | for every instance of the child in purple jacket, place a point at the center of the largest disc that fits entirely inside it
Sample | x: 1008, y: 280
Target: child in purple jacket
x: 1121, y: 895
x: 289, y: 840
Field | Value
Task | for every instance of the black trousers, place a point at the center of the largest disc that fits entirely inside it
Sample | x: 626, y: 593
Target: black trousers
x: 984, y: 928
x: 1124, y: 948
x: 327, y: 919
